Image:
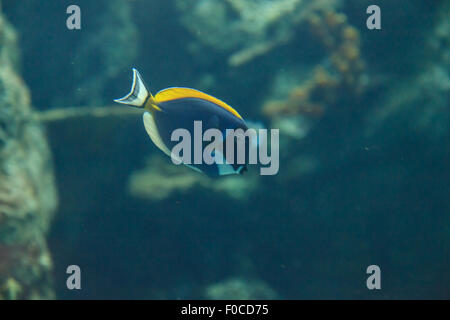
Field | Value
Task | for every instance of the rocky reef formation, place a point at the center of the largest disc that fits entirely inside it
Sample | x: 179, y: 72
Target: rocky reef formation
x: 240, y: 289
x: 27, y: 189
x: 326, y: 88
x: 160, y: 179
x: 246, y: 29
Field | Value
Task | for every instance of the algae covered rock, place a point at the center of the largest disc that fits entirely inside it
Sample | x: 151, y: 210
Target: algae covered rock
x: 27, y: 189
x: 245, y: 29
x: 161, y: 179
x: 240, y: 289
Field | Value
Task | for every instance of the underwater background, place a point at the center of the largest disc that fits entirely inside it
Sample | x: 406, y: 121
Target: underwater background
x: 364, y: 151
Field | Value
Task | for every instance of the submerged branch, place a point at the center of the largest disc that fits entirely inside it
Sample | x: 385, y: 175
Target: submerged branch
x: 79, y: 112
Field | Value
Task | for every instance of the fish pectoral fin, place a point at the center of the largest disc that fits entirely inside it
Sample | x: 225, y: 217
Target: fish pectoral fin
x: 152, y: 131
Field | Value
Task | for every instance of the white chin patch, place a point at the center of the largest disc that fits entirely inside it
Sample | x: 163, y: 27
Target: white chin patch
x: 224, y: 168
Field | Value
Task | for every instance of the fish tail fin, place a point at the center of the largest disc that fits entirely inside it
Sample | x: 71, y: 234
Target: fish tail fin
x: 139, y: 95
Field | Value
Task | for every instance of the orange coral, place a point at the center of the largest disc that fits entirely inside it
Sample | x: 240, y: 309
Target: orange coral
x: 343, y: 43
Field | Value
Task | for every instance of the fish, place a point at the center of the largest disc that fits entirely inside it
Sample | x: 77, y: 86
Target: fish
x: 179, y: 108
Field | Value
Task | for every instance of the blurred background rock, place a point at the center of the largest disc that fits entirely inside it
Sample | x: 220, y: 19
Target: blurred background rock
x: 364, y: 151
x: 27, y: 189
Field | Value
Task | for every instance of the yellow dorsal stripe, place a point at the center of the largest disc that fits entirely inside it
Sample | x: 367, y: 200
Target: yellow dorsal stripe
x: 180, y: 93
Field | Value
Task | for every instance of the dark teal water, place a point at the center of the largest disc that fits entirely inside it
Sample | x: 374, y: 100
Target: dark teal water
x: 377, y: 194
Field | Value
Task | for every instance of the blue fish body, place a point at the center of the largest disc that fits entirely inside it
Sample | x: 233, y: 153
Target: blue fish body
x: 179, y: 108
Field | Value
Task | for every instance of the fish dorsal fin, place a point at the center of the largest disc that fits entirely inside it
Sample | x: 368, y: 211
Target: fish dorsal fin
x: 180, y: 93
